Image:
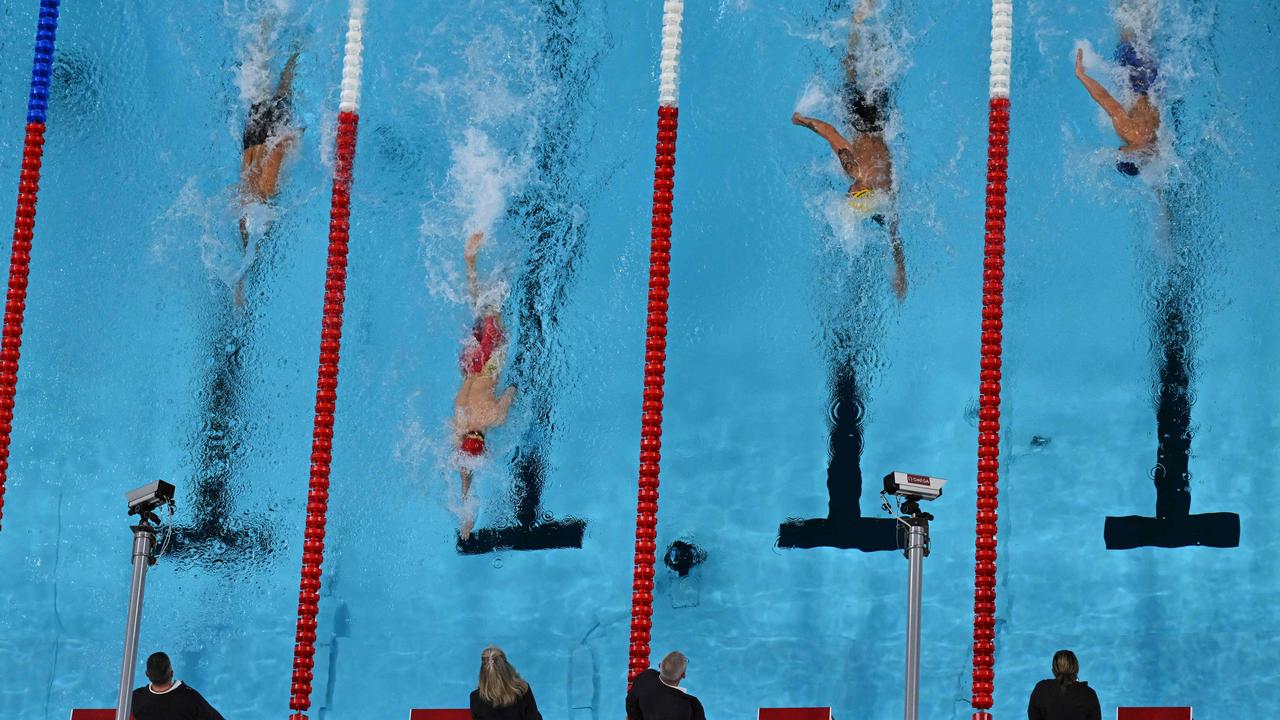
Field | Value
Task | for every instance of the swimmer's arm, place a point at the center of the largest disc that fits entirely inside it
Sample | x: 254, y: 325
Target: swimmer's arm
x: 1097, y: 92
x: 824, y: 130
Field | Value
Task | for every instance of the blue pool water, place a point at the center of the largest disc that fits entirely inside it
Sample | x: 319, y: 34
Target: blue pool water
x: 534, y: 120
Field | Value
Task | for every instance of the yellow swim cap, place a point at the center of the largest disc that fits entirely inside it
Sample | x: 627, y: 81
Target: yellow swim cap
x: 864, y: 201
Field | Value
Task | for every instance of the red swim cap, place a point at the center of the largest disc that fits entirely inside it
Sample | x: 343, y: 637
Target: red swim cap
x: 473, y: 443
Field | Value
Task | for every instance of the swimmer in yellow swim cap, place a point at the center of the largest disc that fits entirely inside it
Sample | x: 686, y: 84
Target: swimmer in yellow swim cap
x: 864, y: 155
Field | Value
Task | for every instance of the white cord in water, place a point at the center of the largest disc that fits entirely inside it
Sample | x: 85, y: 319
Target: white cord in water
x: 1001, y: 47
x: 669, y: 78
x: 352, y: 59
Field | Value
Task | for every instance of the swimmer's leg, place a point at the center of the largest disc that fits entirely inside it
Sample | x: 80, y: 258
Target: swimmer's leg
x: 1142, y: 69
x: 866, y: 111
x: 284, y: 88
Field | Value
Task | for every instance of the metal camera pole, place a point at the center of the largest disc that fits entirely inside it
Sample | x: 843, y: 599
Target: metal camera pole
x: 916, y: 547
x: 144, y: 546
x: 143, y: 502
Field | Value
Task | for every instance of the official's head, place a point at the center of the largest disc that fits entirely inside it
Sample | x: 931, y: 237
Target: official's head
x: 1065, y: 666
x: 672, y: 668
x: 159, y: 670
x: 500, y: 685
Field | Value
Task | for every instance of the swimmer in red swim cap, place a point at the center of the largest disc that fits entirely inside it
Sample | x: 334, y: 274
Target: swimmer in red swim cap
x: 479, y: 406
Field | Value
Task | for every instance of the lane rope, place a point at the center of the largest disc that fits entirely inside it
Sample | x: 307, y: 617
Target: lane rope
x: 655, y: 354
x: 24, y: 225
x: 327, y: 381
x: 986, y: 519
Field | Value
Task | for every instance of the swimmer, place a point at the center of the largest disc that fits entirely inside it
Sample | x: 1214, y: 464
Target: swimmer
x: 479, y: 407
x: 1138, y: 125
x: 864, y: 155
x: 267, y: 141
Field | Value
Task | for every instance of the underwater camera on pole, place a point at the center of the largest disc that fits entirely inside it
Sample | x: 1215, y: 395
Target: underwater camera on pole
x: 913, y: 538
x: 143, y: 502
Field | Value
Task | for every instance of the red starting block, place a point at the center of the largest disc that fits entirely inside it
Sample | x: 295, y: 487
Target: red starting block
x: 108, y: 714
x: 1153, y: 713
x: 440, y: 714
x: 808, y: 713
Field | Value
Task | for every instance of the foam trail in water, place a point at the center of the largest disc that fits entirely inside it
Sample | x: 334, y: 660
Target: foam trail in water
x: 212, y: 221
x: 490, y: 111
x: 815, y: 99
x: 260, y: 38
x: 850, y: 231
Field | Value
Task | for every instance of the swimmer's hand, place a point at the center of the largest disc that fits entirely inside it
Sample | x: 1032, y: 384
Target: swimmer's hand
x: 802, y: 121
x: 1080, y: 73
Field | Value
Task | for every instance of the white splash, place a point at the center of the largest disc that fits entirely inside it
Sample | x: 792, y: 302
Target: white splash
x: 212, y: 222
x: 816, y: 98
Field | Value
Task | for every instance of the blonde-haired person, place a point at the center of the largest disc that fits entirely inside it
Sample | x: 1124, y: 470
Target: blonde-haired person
x: 1064, y: 697
x: 501, y: 694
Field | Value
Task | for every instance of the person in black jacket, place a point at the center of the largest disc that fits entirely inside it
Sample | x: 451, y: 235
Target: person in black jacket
x: 657, y: 695
x: 1064, y: 697
x: 167, y: 699
x: 502, y: 694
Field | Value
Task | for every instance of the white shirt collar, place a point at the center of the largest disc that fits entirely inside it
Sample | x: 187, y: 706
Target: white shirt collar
x: 677, y: 687
x: 172, y: 687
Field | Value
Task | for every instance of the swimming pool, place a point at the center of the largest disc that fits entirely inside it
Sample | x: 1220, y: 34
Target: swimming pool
x: 534, y: 119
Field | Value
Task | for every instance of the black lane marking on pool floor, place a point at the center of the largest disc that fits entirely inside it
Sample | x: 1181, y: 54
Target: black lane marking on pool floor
x: 1173, y: 525
x: 844, y: 527
x: 548, y: 212
x: 216, y: 536
x: 1190, y: 228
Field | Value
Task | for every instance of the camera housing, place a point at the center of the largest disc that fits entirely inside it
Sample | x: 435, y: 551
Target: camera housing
x: 147, y: 498
x: 909, y: 485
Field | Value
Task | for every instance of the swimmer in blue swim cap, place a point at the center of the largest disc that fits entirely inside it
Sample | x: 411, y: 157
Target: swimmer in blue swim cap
x: 1139, y: 124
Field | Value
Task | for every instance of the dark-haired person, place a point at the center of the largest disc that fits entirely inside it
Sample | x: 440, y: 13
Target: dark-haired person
x: 1139, y: 124
x: 479, y: 406
x: 1064, y: 697
x: 267, y: 140
x: 864, y: 154
x: 501, y: 693
x: 657, y: 695
x: 167, y: 699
